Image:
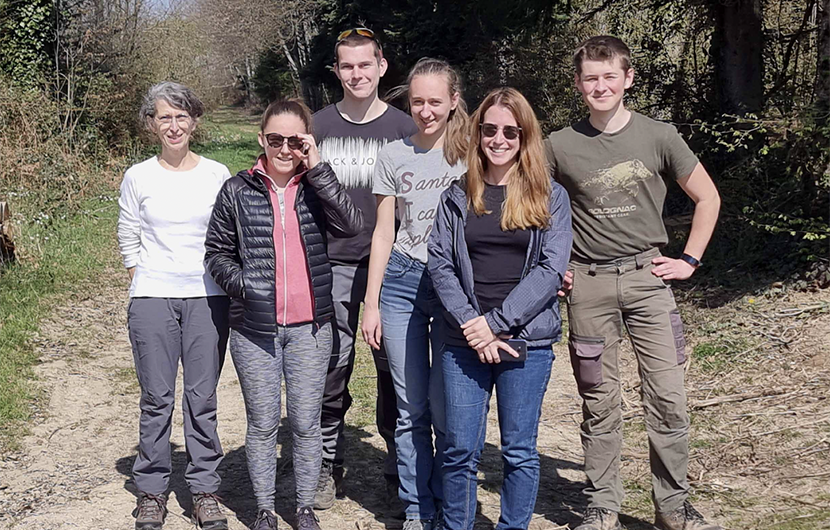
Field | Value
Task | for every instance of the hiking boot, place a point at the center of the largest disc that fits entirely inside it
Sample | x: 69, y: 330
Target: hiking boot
x: 417, y: 524
x: 265, y: 520
x: 306, y: 520
x: 599, y: 519
x: 150, y: 511
x: 207, y: 514
x: 326, y: 489
x: 683, y: 518
x: 393, y: 500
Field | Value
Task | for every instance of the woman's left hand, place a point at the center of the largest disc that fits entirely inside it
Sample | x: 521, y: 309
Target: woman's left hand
x: 310, y: 155
x: 477, y: 332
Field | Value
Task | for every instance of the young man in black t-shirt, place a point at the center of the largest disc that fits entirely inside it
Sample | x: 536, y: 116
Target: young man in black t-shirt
x: 350, y: 133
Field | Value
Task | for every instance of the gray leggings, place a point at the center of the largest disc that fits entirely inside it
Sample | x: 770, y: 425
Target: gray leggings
x: 301, y: 355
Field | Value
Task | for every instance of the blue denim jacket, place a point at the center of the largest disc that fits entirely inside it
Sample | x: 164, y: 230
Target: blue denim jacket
x: 531, y: 310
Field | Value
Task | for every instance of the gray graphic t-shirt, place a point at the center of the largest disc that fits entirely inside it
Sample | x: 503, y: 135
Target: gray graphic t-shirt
x: 615, y: 182
x: 416, y: 178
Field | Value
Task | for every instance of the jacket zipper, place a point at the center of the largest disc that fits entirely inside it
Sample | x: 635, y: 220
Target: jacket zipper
x: 284, y: 259
x: 297, y: 199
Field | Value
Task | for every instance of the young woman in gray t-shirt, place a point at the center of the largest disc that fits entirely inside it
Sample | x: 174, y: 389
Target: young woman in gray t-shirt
x: 406, y: 314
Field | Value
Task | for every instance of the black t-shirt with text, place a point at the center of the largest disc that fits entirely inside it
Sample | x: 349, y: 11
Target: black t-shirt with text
x: 352, y: 149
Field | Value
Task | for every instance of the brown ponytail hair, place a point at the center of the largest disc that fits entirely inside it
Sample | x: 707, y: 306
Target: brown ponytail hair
x: 288, y: 106
x: 456, y: 135
x: 528, y: 186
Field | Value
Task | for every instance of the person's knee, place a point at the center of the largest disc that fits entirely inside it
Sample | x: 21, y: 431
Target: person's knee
x: 665, y: 400
x: 263, y: 426
x: 602, y: 412
x: 306, y: 426
x: 521, y: 454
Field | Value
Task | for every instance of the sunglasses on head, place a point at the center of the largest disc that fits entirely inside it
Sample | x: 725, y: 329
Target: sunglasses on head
x: 363, y: 32
x: 510, y: 132
x: 276, y: 141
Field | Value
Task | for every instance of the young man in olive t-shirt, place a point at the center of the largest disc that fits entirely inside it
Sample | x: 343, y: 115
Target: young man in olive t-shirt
x: 613, y: 164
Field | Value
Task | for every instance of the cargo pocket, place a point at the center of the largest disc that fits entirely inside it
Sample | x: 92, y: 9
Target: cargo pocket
x: 586, y: 358
x: 679, y: 337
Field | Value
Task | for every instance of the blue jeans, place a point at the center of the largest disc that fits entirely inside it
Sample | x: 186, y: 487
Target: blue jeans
x: 520, y: 388
x: 411, y: 320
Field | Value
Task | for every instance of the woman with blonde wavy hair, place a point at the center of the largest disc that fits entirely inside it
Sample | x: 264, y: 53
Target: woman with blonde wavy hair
x: 497, y: 256
x: 405, y: 314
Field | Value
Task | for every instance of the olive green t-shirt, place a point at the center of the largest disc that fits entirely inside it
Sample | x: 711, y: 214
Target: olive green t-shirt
x: 615, y: 182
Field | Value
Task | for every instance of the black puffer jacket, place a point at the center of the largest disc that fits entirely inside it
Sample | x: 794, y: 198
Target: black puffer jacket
x: 239, y: 249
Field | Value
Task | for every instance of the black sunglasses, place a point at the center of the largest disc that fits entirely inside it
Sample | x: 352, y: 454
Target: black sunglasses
x: 510, y: 132
x: 276, y: 141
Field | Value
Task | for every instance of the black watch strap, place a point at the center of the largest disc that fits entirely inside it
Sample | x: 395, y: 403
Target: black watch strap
x: 694, y: 262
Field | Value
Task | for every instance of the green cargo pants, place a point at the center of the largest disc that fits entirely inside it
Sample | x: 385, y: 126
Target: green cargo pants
x: 606, y: 296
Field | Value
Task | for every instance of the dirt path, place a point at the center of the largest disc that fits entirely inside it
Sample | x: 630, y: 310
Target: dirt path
x: 73, y: 470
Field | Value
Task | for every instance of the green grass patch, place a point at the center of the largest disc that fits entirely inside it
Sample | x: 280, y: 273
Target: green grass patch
x: 64, y: 247
x: 363, y: 387
x: 229, y: 137
x: 59, y: 256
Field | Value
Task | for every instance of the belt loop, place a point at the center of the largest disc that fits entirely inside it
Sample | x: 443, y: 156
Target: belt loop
x: 639, y: 259
x: 593, y: 269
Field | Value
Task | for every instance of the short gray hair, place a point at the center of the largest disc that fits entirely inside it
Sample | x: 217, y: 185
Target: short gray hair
x: 176, y: 95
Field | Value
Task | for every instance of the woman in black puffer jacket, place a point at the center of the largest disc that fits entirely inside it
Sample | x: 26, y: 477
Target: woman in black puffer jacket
x: 266, y: 247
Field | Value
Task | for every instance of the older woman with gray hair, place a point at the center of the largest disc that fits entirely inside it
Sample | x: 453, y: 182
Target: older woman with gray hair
x: 176, y: 310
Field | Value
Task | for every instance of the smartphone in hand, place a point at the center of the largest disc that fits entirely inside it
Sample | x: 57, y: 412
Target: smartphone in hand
x: 521, y: 348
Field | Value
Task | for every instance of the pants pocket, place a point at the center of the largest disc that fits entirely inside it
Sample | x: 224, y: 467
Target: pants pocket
x: 679, y: 337
x: 586, y: 358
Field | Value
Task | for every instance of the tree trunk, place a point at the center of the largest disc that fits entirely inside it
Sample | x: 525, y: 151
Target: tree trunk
x: 823, y: 64
x: 737, y: 46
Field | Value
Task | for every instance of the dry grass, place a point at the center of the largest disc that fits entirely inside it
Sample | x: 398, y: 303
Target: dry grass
x: 758, y: 380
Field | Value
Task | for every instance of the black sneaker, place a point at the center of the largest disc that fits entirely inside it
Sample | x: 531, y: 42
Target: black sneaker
x: 265, y: 520
x: 150, y: 511
x: 306, y: 520
x: 326, y: 489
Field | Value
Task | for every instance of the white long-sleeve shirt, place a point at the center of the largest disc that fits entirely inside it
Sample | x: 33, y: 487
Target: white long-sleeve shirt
x: 162, y: 226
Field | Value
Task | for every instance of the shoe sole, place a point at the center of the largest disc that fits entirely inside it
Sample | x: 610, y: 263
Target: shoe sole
x: 148, y: 526
x: 210, y: 525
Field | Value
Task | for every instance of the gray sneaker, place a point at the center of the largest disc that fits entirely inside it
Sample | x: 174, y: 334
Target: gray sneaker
x: 150, y: 511
x: 326, y: 488
x: 599, y: 519
x: 417, y: 524
x: 683, y: 518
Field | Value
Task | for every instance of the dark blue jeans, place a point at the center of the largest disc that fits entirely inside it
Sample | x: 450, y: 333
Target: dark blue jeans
x: 520, y: 388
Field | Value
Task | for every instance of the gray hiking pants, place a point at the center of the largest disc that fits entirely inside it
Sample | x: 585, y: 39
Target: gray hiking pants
x: 299, y: 354
x: 605, y: 297
x: 162, y: 331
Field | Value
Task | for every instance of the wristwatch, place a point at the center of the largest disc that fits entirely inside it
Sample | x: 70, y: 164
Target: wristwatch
x: 694, y: 262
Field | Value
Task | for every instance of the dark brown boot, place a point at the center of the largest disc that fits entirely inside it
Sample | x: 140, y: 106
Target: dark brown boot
x: 207, y: 514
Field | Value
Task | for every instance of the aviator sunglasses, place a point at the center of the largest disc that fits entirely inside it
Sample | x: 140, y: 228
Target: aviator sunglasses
x: 363, y: 32
x: 276, y: 141
x: 510, y: 132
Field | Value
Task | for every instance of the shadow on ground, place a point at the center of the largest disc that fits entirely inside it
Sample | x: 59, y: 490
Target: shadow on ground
x: 559, y: 501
